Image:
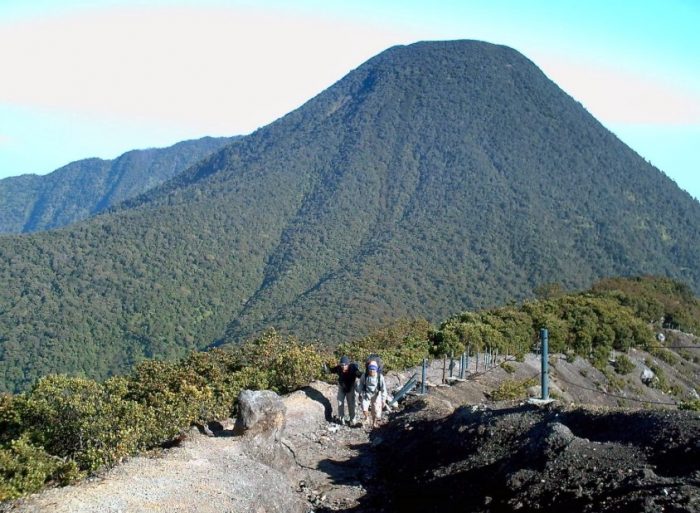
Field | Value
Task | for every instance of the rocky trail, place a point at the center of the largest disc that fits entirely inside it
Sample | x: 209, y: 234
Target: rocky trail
x: 454, y: 449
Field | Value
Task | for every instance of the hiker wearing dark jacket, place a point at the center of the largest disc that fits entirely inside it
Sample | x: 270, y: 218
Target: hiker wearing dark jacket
x: 347, y: 374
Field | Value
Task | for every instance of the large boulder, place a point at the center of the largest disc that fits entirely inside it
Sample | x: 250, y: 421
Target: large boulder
x: 260, y: 412
x: 260, y: 423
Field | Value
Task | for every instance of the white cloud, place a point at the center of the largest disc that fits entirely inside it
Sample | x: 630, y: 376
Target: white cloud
x: 218, y: 69
x: 619, y: 95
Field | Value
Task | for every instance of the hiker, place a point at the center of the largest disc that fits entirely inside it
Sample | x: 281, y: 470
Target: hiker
x: 373, y: 391
x: 347, y: 373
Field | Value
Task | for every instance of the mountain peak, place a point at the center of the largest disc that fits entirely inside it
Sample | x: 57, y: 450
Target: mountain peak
x: 436, y: 177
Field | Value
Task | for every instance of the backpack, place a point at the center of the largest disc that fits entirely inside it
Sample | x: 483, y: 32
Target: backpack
x: 377, y: 360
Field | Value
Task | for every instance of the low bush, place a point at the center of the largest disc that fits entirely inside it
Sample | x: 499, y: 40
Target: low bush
x: 508, y: 367
x: 513, y: 389
x: 623, y: 365
x: 692, y: 405
x: 25, y: 468
x: 665, y: 355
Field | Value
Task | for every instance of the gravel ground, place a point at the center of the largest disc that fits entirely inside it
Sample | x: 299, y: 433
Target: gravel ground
x: 207, y: 475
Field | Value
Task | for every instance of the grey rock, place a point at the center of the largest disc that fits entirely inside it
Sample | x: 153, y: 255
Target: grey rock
x: 260, y: 423
x: 260, y: 412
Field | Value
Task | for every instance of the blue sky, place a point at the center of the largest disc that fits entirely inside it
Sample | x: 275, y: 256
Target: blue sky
x: 98, y: 78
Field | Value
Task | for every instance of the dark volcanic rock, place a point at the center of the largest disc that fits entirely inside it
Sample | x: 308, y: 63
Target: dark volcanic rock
x: 530, y: 459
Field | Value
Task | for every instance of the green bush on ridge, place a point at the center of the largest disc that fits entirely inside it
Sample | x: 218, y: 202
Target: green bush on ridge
x: 583, y: 324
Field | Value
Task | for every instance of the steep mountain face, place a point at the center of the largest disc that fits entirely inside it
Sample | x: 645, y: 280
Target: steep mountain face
x: 435, y: 177
x: 30, y: 203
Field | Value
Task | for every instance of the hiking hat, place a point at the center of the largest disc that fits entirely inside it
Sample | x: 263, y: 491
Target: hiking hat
x: 344, y: 360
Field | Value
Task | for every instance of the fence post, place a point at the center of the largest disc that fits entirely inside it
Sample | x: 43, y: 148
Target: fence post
x: 466, y: 365
x: 452, y: 362
x: 544, y: 342
x: 444, y: 367
x: 477, y: 361
x: 423, y: 373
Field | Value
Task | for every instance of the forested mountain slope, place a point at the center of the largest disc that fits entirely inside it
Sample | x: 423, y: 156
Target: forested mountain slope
x: 30, y: 203
x: 435, y: 177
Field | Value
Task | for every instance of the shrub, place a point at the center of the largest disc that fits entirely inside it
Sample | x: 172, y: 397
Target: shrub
x: 283, y: 364
x: 664, y: 355
x: 599, y: 357
x: 692, y: 405
x: 80, y: 419
x: 508, y: 367
x: 25, y: 468
x: 10, y: 421
x: 513, y: 389
x: 623, y: 365
x: 173, y: 392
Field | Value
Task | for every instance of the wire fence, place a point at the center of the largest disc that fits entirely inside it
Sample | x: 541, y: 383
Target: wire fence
x: 500, y: 359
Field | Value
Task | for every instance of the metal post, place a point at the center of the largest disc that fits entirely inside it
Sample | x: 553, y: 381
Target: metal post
x: 461, y: 366
x: 544, y: 342
x: 422, y: 382
x: 477, y: 361
x: 452, y: 362
x: 444, y: 367
x: 466, y: 365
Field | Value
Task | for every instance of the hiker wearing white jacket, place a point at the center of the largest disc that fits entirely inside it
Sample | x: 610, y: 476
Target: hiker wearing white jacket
x: 373, y: 394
